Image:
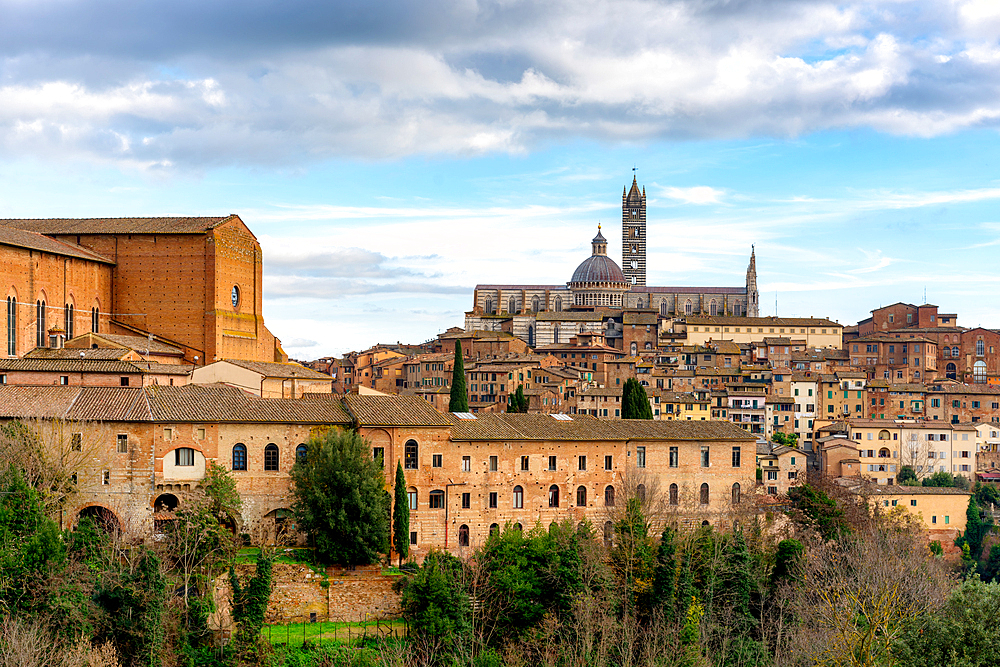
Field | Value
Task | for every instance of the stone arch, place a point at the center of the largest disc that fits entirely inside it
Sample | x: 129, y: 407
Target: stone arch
x: 378, y: 437
x: 102, y: 516
x: 166, y: 502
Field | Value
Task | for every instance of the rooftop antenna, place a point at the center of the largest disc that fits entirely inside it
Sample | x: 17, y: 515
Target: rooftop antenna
x: 925, y: 293
x: 775, y: 303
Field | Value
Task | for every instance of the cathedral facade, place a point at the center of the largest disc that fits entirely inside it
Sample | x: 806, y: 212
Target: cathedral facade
x: 600, y: 291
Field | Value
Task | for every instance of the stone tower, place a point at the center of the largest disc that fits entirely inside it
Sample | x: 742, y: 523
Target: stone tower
x: 753, y: 306
x: 634, y: 234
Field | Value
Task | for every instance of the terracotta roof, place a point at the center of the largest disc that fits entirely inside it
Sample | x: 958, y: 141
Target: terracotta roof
x: 21, y: 238
x: 106, y: 353
x: 766, y: 321
x: 276, y: 369
x: 393, y: 410
x: 504, y: 426
x: 138, y: 343
x: 91, y: 364
x: 903, y: 490
x: 165, y: 225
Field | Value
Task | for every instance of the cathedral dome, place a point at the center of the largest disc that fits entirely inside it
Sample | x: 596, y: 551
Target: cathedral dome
x: 598, y: 269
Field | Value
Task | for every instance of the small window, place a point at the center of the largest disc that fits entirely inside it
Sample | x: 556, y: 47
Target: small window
x: 466, y: 463
x: 183, y: 456
x: 76, y: 442
x: 736, y: 457
x: 168, y: 434
x: 705, y: 456
x: 609, y: 496
x: 302, y: 453
x: 518, y: 497
x: 493, y: 499
x: 608, y: 462
x: 640, y: 457
x: 123, y: 445
x: 271, y: 457
x: 494, y: 464
x: 913, y: 503
x: 704, y: 494
x: 582, y: 463
x: 124, y: 380
x: 413, y: 537
x: 106, y: 478
x: 64, y: 379
x: 674, y: 457
x: 581, y: 496
x: 524, y: 463
x: 466, y: 501
x: 436, y: 499
x: 552, y: 463
x: 239, y: 456
x: 673, y: 494
x: 736, y: 493
x: 410, y: 451
x: 463, y: 535
x: 411, y: 497
x: 435, y: 460
x: 553, y: 496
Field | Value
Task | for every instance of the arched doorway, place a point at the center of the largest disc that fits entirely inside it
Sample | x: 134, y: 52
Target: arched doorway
x: 165, y: 502
x: 102, y: 517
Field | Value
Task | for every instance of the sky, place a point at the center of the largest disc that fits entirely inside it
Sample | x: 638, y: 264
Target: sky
x: 390, y: 155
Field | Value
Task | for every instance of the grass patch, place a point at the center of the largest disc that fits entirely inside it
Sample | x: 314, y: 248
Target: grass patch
x: 332, y: 632
x: 284, y: 555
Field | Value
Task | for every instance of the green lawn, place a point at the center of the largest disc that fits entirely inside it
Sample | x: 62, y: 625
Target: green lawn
x: 295, y: 634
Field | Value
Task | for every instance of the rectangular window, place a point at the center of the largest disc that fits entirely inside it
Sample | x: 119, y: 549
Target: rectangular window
x: 436, y: 500
x: 704, y: 456
x: 913, y: 503
x: 552, y: 463
x: 183, y: 456
x: 413, y: 537
x: 378, y: 455
x: 736, y: 457
x: 581, y: 463
x: 436, y: 461
x: 63, y: 379
x: 124, y: 380
x: 410, y: 455
x: 106, y: 478
x: 411, y: 496
x: 493, y: 499
x: 168, y: 434
x: 466, y: 464
x: 524, y: 463
x: 607, y: 463
x: 772, y: 475
x: 640, y: 457
x: 123, y: 445
x: 466, y: 501
x: 76, y: 442
x: 674, y: 457
x: 494, y: 464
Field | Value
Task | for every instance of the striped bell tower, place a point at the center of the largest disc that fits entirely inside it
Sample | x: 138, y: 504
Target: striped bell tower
x: 634, y: 234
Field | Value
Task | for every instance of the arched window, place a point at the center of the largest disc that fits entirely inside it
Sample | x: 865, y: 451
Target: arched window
x: 40, y: 323
x: 640, y: 493
x: 411, y: 497
x: 638, y: 303
x: 531, y: 335
x: 946, y: 351
x: 703, y: 499
x: 518, y: 497
x: 555, y: 334
x: 648, y: 346
x: 95, y: 319
x: 301, y: 452
x: 736, y: 493
x: 713, y: 309
x: 609, y: 496
x: 737, y: 310
x: 980, y: 348
x: 558, y: 304
x: 271, y: 457
x: 979, y: 371
x: 410, y: 452
x: 883, y: 435
x: 884, y: 453
x: 239, y: 456
x: 494, y: 528
x: 688, y: 308
x: 553, y: 496
x: 11, y: 325
x: 518, y: 527
x: 511, y: 305
x: 609, y: 533
x: 673, y: 494
x: 68, y: 315
x: 633, y: 348
x: 663, y: 308
x: 950, y: 371
x: 534, y: 304
x: 463, y: 535
x: 488, y: 306
x: 581, y: 496
x: 436, y: 499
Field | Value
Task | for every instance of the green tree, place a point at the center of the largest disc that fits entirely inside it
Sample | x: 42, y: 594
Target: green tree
x: 401, y: 516
x: 665, y: 577
x: 787, y: 560
x: 907, y: 476
x: 633, y: 558
x: 135, y: 602
x: 517, y: 402
x: 819, y: 511
x: 223, y: 499
x: 635, y: 403
x: 340, y: 499
x: 976, y: 529
x: 940, y: 479
x: 459, y: 401
x: 787, y: 439
x: 436, y: 606
x: 249, y: 604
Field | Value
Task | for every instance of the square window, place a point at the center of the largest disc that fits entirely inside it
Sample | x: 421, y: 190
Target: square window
x: 913, y: 503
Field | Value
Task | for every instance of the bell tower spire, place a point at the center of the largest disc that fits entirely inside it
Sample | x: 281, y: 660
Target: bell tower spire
x: 634, y: 234
x: 753, y: 307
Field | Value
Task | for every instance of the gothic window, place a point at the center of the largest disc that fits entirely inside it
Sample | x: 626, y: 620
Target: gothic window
x: 979, y: 372
x: 410, y: 452
x: 558, y: 304
x: 68, y: 314
x: 239, y: 456
x: 534, y: 304
x: 271, y: 457
x: 531, y: 336
x: 489, y: 306
x: 511, y: 305
x: 736, y: 493
x: 555, y: 334
x: 463, y: 535
x: 688, y: 308
x: 673, y: 494
x: 553, y: 496
x: 640, y: 493
x: 638, y: 303
x: 980, y: 348
x: 581, y: 496
x: 11, y: 325
x: 40, y: 323
x: 703, y: 499
x: 663, y: 308
x: 95, y: 319
x: 713, y: 310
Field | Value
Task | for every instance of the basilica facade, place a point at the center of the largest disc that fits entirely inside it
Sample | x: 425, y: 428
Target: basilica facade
x: 600, y: 292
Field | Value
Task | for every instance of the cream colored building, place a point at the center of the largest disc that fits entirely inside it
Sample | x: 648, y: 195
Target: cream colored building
x: 941, y: 510
x: 817, y: 332
x: 267, y: 380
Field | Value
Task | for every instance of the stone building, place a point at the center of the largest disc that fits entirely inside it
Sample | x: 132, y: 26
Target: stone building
x: 194, y: 283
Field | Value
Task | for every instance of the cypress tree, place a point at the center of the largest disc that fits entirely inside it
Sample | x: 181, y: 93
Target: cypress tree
x: 401, y: 516
x: 635, y: 403
x: 459, y: 397
x: 520, y: 399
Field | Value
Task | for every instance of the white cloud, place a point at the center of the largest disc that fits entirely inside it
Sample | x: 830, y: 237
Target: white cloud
x: 699, y: 194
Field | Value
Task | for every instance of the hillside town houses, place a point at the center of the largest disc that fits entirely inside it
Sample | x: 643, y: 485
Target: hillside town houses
x: 744, y: 406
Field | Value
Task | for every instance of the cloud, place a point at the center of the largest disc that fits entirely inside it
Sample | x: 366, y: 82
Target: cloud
x: 699, y: 194
x: 278, y: 287
x: 337, y: 263
x: 172, y: 86
x: 299, y: 343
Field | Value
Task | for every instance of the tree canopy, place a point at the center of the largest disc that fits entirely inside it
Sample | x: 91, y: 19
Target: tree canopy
x: 635, y: 403
x: 340, y: 499
x: 459, y: 401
